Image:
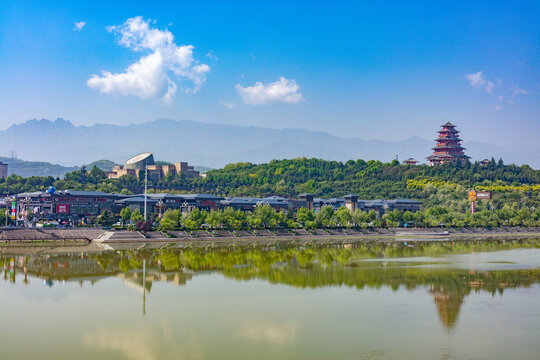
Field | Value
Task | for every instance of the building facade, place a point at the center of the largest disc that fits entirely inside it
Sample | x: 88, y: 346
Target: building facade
x: 138, y: 163
x: 64, y: 205
x: 78, y: 206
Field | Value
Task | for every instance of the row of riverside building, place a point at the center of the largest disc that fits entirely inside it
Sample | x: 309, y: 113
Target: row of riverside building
x: 77, y: 206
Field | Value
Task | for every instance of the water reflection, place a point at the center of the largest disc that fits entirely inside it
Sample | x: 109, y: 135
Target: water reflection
x: 358, y: 266
x: 274, y: 333
x: 143, y: 342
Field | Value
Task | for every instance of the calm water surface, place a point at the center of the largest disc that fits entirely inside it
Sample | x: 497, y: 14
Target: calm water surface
x: 377, y: 301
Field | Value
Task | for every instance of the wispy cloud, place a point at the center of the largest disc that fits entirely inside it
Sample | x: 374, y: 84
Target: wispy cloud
x: 228, y: 105
x: 212, y: 55
x: 489, y: 87
x: 150, y: 76
x: 518, y: 91
x: 478, y: 81
x: 79, y: 25
x: 281, y: 91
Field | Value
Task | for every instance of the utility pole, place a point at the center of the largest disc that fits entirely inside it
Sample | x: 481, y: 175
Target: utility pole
x: 145, y: 187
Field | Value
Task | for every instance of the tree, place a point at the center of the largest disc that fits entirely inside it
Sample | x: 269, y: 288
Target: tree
x: 266, y: 214
x: 408, y: 216
x: 136, y: 216
x: 303, y: 215
x: 125, y: 214
x: 144, y: 226
x: 96, y: 175
x: 359, y: 217
x: 166, y: 224
x: 324, y: 216
x: 191, y: 224
x: 106, y: 219
x: 343, y: 216
x: 198, y: 216
x: 215, y: 219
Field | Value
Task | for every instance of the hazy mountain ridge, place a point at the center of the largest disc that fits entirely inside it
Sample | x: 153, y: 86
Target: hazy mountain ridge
x: 35, y: 168
x: 217, y: 144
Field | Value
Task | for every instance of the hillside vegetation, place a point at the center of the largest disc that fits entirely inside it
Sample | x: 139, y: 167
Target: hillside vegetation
x: 442, y: 189
x: 374, y: 179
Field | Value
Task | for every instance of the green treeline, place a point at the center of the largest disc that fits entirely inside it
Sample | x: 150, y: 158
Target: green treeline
x: 266, y: 217
x: 516, y: 189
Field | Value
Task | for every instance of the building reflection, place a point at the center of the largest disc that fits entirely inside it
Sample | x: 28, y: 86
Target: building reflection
x: 303, y: 267
x: 448, y: 302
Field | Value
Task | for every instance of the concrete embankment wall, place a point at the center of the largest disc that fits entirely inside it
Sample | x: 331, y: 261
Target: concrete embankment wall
x: 46, y: 234
x: 225, y: 237
x: 29, y: 235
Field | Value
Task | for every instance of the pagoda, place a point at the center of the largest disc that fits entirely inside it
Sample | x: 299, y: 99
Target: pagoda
x: 448, y: 147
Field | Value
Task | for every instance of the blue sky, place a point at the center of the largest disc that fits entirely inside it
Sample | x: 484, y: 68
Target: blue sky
x: 356, y: 69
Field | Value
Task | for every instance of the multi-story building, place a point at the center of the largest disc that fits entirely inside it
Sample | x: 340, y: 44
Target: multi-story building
x: 75, y: 206
x: 448, y: 147
x: 69, y: 204
x: 138, y: 163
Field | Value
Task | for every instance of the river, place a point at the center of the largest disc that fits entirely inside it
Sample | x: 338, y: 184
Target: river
x: 443, y: 300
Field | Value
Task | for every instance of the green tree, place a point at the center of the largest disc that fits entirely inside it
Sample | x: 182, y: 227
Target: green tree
x: 125, y: 214
x: 303, y: 215
x: 343, y: 215
x: 106, y: 219
x: 136, y: 216
x: 266, y: 215
x: 215, y: 219
x: 198, y: 216
x: 324, y: 216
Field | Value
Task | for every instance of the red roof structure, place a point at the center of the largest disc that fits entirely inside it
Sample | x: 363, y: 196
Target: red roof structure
x: 448, y: 147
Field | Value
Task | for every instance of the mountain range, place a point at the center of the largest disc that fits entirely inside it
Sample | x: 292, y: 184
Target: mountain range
x: 216, y: 145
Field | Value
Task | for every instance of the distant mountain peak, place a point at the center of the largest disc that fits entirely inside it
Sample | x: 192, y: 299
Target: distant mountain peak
x: 43, y: 124
x: 214, y: 144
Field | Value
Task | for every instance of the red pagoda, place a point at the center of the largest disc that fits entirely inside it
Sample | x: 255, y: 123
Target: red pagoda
x: 448, y: 148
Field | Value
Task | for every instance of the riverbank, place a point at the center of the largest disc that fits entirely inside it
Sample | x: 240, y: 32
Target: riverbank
x: 44, y: 237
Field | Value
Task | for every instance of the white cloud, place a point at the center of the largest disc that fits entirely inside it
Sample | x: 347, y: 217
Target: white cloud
x: 149, y: 76
x: 281, y: 91
x: 489, y: 87
x: 79, y: 25
x: 212, y: 55
x: 476, y: 80
x: 498, y: 107
x: 229, y: 105
x: 518, y: 91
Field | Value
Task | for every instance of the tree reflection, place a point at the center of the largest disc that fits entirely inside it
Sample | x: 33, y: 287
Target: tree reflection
x: 396, y: 266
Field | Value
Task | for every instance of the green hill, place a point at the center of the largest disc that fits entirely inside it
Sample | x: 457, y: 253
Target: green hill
x: 434, y: 185
x: 105, y: 165
x: 35, y: 168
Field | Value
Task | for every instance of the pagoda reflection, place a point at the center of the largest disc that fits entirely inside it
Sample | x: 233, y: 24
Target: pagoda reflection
x: 361, y: 266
